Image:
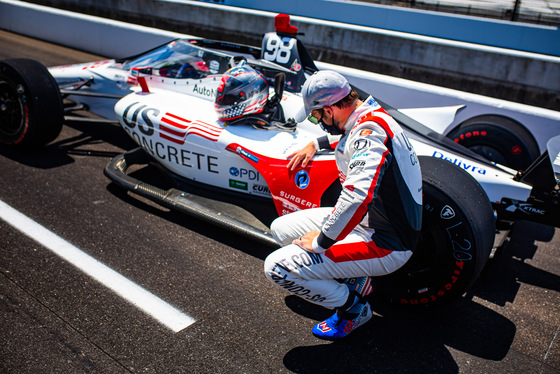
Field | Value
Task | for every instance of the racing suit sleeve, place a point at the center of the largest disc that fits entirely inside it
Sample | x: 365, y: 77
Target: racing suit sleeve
x: 326, y: 142
x: 367, y: 157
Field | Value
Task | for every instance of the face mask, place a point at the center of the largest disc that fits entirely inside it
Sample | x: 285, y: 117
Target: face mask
x: 332, y: 129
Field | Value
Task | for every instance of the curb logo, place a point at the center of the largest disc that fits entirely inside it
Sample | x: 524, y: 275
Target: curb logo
x: 447, y: 212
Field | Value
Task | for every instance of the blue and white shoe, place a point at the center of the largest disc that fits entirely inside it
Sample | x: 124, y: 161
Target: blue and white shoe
x: 361, y: 285
x: 343, y: 322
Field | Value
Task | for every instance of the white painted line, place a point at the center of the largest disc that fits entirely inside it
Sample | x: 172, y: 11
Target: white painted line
x: 130, y: 291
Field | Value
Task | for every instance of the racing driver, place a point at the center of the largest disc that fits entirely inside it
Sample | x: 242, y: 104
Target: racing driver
x: 329, y: 254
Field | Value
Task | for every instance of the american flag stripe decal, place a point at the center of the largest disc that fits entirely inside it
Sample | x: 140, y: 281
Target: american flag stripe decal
x: 176, y: 129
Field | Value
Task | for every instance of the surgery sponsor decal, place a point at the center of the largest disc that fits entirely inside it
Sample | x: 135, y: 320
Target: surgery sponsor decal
x: 297, y: 200
x: 467, y: 165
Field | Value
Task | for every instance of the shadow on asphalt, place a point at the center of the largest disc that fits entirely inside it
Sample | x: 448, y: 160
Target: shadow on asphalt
x: 403, y: 340
x: 398, y: 341
x: 60, y: 152
x: 501, y: 278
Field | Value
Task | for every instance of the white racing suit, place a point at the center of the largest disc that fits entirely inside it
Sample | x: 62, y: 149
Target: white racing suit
x: 375, y: 224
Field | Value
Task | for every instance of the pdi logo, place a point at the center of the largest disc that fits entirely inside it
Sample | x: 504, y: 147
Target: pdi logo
x: 244, y: 173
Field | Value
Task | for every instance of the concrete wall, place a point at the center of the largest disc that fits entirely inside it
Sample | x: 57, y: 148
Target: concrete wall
x: 484, y: 31
x: 511, y: 75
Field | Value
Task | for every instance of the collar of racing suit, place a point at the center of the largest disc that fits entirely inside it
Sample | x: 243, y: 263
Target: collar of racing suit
x: 366, y: 106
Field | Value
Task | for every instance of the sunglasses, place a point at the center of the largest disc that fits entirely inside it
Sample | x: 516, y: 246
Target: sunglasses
x: 314, y: 120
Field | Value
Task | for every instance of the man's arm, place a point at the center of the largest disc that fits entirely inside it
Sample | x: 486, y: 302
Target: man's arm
x: 304, y: 155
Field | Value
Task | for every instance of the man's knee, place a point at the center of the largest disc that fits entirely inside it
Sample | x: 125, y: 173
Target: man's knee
x: 272, y: 268
x: 269, y: 265
x: 279, y: 232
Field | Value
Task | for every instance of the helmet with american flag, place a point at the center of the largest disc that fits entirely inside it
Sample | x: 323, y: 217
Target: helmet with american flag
x: 242, y: 91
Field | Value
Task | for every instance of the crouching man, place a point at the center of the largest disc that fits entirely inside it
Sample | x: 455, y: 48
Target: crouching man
x: 329, y: 254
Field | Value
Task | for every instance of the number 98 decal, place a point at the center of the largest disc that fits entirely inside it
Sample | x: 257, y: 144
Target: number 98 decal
x: 279, y: 49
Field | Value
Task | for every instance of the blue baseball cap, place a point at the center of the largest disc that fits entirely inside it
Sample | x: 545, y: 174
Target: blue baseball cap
x: 323, y: 88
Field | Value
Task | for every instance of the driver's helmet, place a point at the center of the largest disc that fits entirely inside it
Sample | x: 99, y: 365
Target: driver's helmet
x: 242, y: 91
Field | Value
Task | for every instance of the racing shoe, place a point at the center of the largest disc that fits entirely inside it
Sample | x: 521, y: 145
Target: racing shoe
x: 361, y: 285
x: 343, y: 322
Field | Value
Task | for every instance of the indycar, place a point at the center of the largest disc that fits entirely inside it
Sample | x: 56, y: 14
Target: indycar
x: 164, y: 100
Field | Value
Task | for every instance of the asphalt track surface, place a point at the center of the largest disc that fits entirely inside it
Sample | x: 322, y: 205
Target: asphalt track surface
x: 55, y: 318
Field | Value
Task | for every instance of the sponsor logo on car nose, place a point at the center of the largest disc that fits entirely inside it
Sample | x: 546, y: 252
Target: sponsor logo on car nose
x: 302, y: 179
x: 244, y: 173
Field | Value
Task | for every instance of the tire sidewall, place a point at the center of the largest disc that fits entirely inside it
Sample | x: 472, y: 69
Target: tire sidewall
x: 457, y: 235
x: 513, y: 143
x: 40, y: 97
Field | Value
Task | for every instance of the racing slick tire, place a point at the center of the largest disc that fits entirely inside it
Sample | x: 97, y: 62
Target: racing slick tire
x: 31, y: 109
x: 499, y: 139
x: 458, y: 230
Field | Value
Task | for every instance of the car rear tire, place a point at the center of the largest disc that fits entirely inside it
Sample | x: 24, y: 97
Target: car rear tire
x: 499, y: 139
x: 458, y: 229
x: 31, y: 109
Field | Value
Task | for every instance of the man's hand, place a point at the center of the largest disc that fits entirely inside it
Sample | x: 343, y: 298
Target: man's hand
x: 306, y: 241
x: 302, y: 157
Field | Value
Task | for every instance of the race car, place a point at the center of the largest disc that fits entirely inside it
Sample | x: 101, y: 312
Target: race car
x: 171, y: 115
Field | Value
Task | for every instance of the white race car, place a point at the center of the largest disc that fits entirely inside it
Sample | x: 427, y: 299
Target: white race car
x: 170, y: 114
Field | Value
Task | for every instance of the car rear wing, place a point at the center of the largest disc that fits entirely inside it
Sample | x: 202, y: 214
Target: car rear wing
x: 543, y: 205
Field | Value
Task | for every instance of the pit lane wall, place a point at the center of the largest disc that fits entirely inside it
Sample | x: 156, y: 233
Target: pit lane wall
x: 111, y: 38
x: 524, y: 77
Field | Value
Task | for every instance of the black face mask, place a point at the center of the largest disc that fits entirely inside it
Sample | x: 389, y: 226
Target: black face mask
x: 332, y: 129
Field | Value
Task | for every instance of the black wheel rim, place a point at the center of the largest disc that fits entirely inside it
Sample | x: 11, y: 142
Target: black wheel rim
x: 489, y: 153
x: 11, y: 110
